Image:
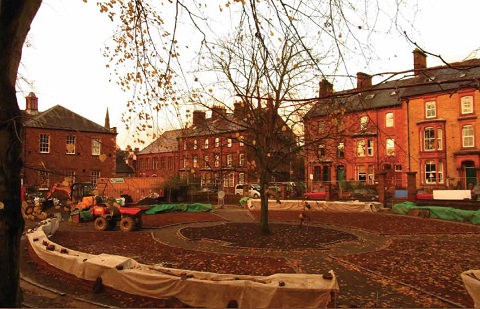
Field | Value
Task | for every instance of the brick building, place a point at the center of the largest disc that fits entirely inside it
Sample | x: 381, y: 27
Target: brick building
x: 160, y: 157
x: 424, y: 122
x: 60, y: 145
x: 214, y: 151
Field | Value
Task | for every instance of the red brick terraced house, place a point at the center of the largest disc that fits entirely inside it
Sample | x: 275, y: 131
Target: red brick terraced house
x: 60, y: 145
x: 160, y: 158
x: 213, y: 152
x: 425, y: 123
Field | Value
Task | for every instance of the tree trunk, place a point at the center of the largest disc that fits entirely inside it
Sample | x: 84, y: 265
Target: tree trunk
x: 264, y: 225
x: 15, y: 19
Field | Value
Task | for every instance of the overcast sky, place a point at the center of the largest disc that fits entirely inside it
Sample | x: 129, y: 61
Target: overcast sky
x: 66, y: 67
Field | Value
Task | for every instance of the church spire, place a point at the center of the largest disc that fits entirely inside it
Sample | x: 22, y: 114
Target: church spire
x: 107, y: 120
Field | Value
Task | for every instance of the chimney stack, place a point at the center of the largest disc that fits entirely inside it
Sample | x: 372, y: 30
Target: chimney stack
x: 326, y: 88
x: 198, y: 117
x: 218, y: 112
x: 31, y: 104
x: 419, y: 61
x: 239, y: 110
x: 364, y: 81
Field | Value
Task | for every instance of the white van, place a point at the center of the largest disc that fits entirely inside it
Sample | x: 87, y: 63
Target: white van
x: 254, y: 190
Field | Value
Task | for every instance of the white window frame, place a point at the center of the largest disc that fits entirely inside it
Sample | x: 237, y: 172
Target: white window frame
x: 194, y: 161
x: 241, y: 141
x: 428, y: 139
x: 229, y: 142
x: 389, y: 120
x: 44, y: 143
x: 361, y: 151
x: 217, y: 160
x: 217, y: 142
x: 229, y: 160
x: 231, y: 180
x: 241, y: 159
x: 205, y: 144
x: 439, y: 139
x: 70, y: 177
x: 370, y: 147
x: 430, y: 109
x: 468, y: 136
x: 205, y: 160
x: 363, y: 123
x: 96, y: 146
x: 195, y: 144
x: 70, y: 141
x: 466, y: 103
x: 241, y: 178
x: 94, y: 175
x: 390, y: 147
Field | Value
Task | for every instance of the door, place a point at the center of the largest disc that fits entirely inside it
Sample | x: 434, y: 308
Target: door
x: 470, y: 174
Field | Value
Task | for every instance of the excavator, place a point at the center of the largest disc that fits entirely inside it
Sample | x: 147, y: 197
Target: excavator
x: 80, y: 195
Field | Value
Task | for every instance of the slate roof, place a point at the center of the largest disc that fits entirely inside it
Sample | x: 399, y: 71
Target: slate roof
x: 449, y: 78
x: 121, y: 166
x: 167, y: 142
x: 61, y: 118
x: 215, y: 126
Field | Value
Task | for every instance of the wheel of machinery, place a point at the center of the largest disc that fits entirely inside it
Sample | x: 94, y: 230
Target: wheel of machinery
x: 127, y: 224
x: 138, y: 223
x: 101, y: 224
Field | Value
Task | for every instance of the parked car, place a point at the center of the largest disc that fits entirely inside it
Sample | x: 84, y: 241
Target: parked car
x: 315, y: 195
x: 364, y: 194
x: 253, y: 191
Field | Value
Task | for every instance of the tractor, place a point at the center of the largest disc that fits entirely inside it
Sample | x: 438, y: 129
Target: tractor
x: 108, y: 215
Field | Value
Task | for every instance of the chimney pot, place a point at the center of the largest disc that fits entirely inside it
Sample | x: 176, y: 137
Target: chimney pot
x: 419, y: 61
x: 364, y: 81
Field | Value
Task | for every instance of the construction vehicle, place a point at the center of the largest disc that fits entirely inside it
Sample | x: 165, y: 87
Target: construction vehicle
x: 80, y: 195
x: 108, y: 215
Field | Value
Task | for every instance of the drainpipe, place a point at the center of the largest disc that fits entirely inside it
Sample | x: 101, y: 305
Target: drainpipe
x: 408, y: 133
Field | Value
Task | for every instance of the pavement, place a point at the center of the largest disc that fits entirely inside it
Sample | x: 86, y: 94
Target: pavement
x: 358, y: 288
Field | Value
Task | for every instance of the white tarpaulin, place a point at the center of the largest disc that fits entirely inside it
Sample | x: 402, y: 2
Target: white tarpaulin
x: 198, y: 289
x: 471, y: 279
x: 334, y: 206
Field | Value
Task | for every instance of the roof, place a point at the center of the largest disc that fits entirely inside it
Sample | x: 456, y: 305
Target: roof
x: 61, y: 118
x: 225, y: 123
x: 121, y: 165
x: 167, y: 142
x: 449, y: 78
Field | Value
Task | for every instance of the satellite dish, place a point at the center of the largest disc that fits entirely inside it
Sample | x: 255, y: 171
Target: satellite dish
x: 221, y: 194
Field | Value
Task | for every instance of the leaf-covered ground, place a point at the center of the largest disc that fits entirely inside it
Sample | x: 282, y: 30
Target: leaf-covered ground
x: 416, y: 262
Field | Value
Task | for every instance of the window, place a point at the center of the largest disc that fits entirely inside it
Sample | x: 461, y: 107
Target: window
x: 44, y: 143
x: 389, y: 120
x: 44, y: 179
x: 70, y: 145
x: 467, y: 136
x: 439, y: 138
x: 362, y: 175
x: 390, y: 146
x: 195, y: 161
x: 205, y: 144
x: 369, y: 147
x: 70, y: 177
x: 363, y: 123
x: 217, y: 142
x: 195, y: 146
x: 229, y: 142
x: 361, y: 148
x: 241, y: 159
x: 321, y: 151
x: 429, y: 139
x: 94, y: 175
x: 229, y: 160
x: 184, y: 145
x: 433, y: 172
x: 241, y: 178
x: 155, y: 164
x: 217, y: 160
x: 321, y: 127
x: 205, y: 161
x: 184, y: 162
x: 241, y: 141
x: 398, y: 168
x: 340, y: 150
x: 430, y: 109
x: 231, y: 179
x: 96, y: 146
x: 371, y: 174
x: 466, y: 103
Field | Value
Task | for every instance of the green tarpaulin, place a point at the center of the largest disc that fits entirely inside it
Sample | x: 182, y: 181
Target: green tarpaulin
x: 196, y: 207
x: 439, y: 212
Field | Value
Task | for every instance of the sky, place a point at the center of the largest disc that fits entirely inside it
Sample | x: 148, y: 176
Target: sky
x: 64, y: 63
